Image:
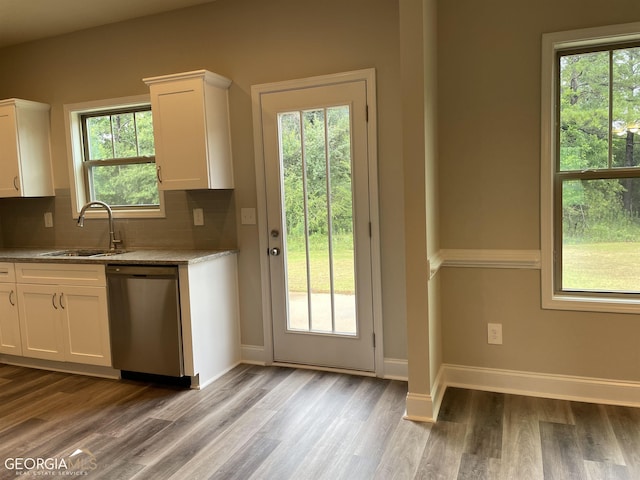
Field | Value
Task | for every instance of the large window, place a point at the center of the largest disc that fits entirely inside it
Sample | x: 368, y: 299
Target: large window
x: 113, y: 156
x: 591, y: 169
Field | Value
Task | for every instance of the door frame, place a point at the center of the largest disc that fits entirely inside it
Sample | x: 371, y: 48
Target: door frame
x: 368, y: 76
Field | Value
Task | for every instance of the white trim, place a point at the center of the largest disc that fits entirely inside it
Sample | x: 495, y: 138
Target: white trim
x: 438, y: 388
x: 483, y: 258
x: 368, y: 76
x: 65, y: 367
x: 425, y: 408
x: 552, y: 43
x: 434, y: 262
x: 72, y: 114
x: 563, y: 387
x: 396, y: 369
x: 527, y: 259
x: 209, y: 77
x: 261, y: 198
x: 419, y: 408
x: 253, y: 354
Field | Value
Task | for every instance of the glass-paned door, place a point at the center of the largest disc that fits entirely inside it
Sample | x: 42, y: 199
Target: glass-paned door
x: 316, y: 169
x: 315, y: 160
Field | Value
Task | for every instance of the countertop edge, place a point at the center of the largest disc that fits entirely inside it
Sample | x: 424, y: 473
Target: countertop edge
x: 134, y: 257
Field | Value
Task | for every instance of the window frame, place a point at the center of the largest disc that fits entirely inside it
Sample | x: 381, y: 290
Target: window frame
x: 551, y: 177
x: 78, y: 167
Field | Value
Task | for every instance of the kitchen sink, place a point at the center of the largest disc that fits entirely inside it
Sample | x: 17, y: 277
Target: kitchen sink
x: 83, y: 253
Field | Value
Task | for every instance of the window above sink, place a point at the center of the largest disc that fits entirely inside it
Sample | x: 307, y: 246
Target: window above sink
x: 111, y: 153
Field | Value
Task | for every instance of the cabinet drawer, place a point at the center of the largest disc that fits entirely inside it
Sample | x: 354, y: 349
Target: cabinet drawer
x: 7, y: 272
x: 61, y: 274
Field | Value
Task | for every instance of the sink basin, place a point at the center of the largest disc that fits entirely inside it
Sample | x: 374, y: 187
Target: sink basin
x: 82, y: 253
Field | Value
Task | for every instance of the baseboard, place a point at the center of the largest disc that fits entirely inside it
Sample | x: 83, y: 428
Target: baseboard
x: 419, y: 408
x: 396, y: 369
x: 425, y: 408
x: 252, y: 355
x: 65, y: 367
x: 563, y: 387
x: 437, y: 392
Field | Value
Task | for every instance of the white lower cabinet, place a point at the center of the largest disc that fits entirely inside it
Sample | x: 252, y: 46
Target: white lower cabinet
x: 85, y: 324
x: 9, y: 322
x: 62, y: 321
x: 40, y: 322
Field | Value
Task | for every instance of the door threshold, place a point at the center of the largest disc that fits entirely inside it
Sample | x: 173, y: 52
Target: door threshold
x: 362, y: 373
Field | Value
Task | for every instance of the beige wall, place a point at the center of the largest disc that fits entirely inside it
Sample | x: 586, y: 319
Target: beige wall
x: 251, y: 42
x: 489, y: 144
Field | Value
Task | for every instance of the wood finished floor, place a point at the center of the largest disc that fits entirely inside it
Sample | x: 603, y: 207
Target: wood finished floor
x: 278, y: 423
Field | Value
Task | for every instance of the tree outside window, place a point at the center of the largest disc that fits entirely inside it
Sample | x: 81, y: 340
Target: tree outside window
x: 119, y: 158
x: 597, y: 187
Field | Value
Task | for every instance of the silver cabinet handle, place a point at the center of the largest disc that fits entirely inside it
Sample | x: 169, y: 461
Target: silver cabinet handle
x: 11, y: 300
x: 53, y: 300
x: 60, y: 301
x: 158, y: 173
x: 274, y: 252
x: 15, y: 183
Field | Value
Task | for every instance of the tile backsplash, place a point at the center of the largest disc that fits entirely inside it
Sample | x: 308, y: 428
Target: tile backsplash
x: 22, y: 224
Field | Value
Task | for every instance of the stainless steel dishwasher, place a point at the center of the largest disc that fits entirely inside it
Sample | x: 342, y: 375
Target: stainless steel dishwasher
x: 144, y: 319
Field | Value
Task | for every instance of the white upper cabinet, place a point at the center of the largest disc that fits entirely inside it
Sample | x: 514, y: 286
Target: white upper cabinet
x: 25, y: 160
x: 191, y: 130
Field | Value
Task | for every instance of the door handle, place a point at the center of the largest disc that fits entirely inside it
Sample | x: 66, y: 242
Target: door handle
x: 15, y: 183
x: 53, y: 300
x: 11, y: 300
x: 274, y: 252
x: 62, y: 304
x: 158, y: 174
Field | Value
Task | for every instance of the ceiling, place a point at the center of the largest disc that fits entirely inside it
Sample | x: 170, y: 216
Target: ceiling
x: 26, y: 20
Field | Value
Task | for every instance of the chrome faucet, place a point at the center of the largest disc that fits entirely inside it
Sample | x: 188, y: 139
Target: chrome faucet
x: 112, y: 236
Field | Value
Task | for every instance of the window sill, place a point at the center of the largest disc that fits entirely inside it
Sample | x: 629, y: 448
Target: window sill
x: 591, y: 304
x: 124, y: 213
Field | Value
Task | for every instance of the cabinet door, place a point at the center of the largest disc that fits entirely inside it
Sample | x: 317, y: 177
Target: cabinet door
x: 40, y: 322
x: 85, y: 325
x: 9, y: 322
x: 10, y: 178
x: 180, y: 136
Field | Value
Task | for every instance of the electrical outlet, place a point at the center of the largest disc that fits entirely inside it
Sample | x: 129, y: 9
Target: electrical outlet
x: 198, y: 217
x: 494, y: 333
x: 48, y: 219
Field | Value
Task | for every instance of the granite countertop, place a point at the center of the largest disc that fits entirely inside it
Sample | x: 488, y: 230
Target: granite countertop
x: 133, y: 257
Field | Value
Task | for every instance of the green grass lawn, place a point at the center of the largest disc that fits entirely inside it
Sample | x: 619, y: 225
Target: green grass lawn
x: 602, y: 266
x: 343, y: 267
